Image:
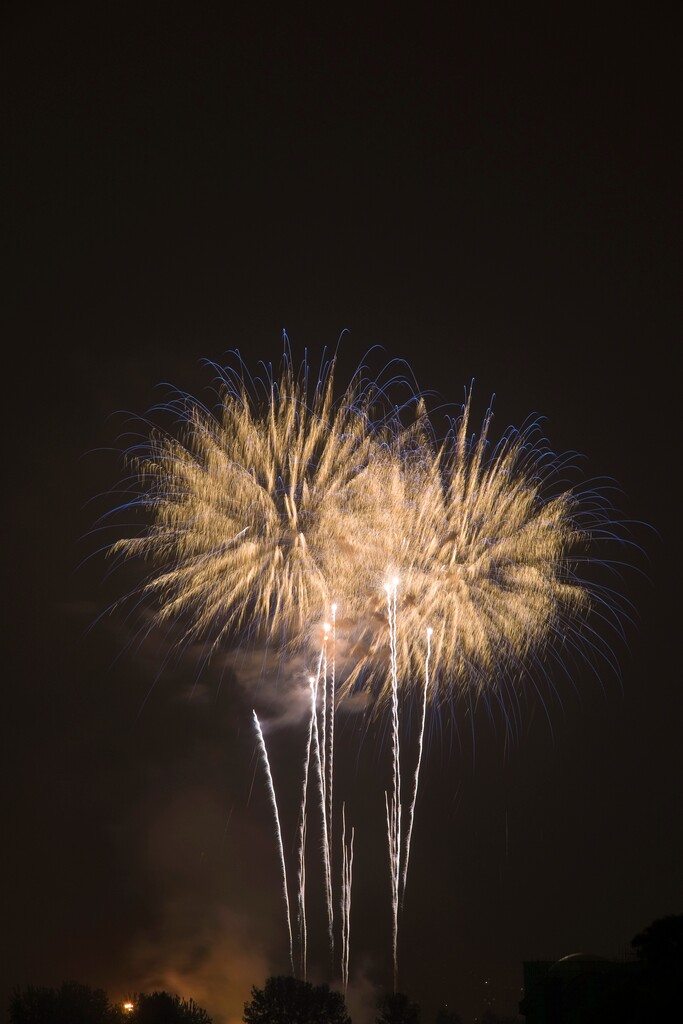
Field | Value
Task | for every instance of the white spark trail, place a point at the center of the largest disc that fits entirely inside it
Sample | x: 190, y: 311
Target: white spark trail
x: 347, y: 877
x: 323, y: 724
x: 273, y: 800
x: 393, y: 809
x: 411, y: 816
x: 330, y: 760
x: 325, y: 842
x: 303, y: 817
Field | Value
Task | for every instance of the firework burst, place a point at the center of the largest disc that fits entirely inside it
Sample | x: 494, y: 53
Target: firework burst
x: 488, y: 549
x: 264, y: 512
x: 284, y: 501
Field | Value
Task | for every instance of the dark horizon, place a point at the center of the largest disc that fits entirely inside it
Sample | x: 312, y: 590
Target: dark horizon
x: 491, y: 195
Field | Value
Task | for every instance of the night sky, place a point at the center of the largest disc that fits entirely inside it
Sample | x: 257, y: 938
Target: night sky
x: 490, y: 194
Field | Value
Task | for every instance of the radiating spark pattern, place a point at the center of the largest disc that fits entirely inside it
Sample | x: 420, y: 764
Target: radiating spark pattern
x: 258, y: 509
x: 261, y: 511
x: 486, y: 558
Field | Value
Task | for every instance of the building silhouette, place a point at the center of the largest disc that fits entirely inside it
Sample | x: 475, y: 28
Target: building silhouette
x: 578, y: 989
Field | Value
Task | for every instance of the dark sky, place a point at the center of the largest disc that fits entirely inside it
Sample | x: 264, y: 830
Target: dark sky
x: 491, y: 193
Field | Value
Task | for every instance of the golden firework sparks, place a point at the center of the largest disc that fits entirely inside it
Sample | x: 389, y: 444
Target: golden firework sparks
x: 286, y: 500
x: 265, y: 512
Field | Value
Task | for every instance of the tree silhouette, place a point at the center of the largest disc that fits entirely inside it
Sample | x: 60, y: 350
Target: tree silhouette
x: 162, y: 1008
x: 659, y: 949
x: 396, y: 1008
x: 286, y: 1000
x: 70, y: 1004
x: 660, y: 946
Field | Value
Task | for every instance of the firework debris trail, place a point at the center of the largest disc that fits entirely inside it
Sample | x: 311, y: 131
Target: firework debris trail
x: 271, y: 787
x: 393, y: 807
x: 325, y: 842
x: 411, y: 814
x: 326, y: 750
x: 330, y: 760
x: 347, y: 878
x: 303, y: 819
